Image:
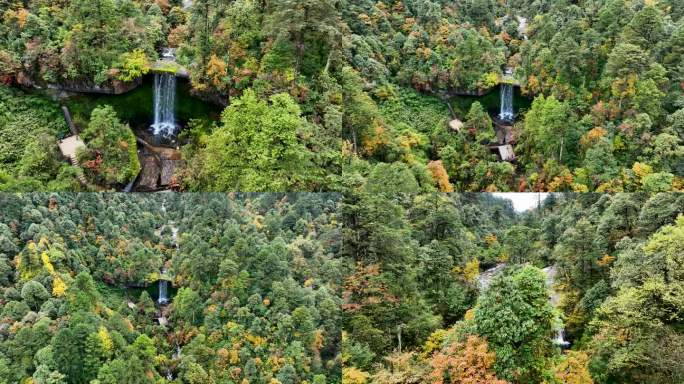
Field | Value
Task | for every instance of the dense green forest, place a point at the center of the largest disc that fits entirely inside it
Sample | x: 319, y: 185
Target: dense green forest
x: 318, y: 92
x: 253, y: 282
x: 461, y: 289
x: 361, y: 288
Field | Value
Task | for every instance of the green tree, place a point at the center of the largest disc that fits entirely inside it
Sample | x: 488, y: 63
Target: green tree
x: 519, y: 243
x: 515, y: 316
x: 187, y: 306
x: 478, y: 122
x: 546, y: 134
x: 82, y: 293
x: 34, y: 294
x: 111, y: 156
x: 306, y: 25
x: 133, y: 65
x: 256, y: 148
x: 636, y: 337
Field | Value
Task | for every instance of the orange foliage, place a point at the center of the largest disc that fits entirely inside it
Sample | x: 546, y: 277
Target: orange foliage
x: 365, y: 19
x: 469, y: 362
x: 605, y: 260
x: 223, y: 358
x: 533, y: 84
x: 363, y: 289
x: 319, y: 339
x: 376, y: 140
x: 562, y: 181
x: 443, y: 33
x: 592, y: 136
x: 52, y: 203
x: 408, y: 24
x: 440, y: 175
x: 178, y: 35
x: 22, y: 15
x: 94, y: 164
x: 642, y: 170
x: 216, y: 72
x: 424, y: 52
x: 398, y: 7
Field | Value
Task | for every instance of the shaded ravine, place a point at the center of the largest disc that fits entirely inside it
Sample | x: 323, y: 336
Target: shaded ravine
x: 163, y: 299
x: 550, y: 272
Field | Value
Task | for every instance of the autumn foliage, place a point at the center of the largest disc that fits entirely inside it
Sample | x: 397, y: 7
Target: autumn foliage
x: 439, y: 174
x: 468, y: 362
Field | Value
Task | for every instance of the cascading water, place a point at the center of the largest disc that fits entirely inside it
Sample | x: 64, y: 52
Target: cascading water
x: 506, y: 112
x: 484, y: 278
x: 163, y: 299
x: 163, y: 284
x: 174, y: 236
x: 559, y: 339
x: 164, y: 105
x: 164, y: 125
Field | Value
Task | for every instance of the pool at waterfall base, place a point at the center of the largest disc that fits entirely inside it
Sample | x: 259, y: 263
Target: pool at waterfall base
x: 137, y: 108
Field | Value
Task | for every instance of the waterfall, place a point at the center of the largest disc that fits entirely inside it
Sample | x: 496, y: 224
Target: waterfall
x: 164, y: 105
x: 506, y: 112
x: 559, y: 340
x: 129, y: 186
x: 163, y: 288
x: 484, y: 278
x: 163, y: 299
x: 169, y: 54
x: 174, y: 236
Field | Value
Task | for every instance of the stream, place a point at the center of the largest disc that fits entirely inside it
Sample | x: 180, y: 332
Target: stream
x: 163, y: 297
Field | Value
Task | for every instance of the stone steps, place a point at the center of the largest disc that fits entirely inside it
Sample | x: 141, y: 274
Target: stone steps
x: 79, y: 171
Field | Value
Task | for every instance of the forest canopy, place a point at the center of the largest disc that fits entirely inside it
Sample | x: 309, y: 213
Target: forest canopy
x: 360, y: 288
x: 252, y: 288
x: 597, y: 102
x: 460, y: 288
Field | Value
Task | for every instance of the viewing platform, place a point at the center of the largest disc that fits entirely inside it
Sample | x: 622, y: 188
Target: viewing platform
x: 70, y: 145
